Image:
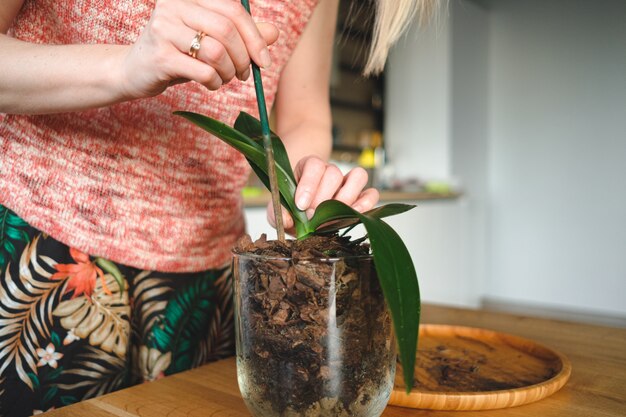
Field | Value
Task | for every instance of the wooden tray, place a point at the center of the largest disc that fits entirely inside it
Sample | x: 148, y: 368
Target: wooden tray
x: 465, y: 368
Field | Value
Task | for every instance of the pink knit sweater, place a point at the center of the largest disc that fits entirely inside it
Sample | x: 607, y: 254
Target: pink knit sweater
x: 131, y: 182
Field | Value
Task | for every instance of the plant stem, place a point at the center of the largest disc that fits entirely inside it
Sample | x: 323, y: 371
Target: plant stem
x: 267, y: 144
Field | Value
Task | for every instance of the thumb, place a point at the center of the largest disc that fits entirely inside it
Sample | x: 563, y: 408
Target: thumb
x: 268, y: 31
x: 287, y: 220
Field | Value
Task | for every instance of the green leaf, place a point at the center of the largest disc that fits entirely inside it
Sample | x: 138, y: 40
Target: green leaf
x: 68, y: 399
x: 56, y: 341
x: 250, y: 126
x: 14, y: 220
x: 399, y: 282
x: 10, y: 248
x: 301, y: 222
x: 328, y: 213
x: 15, y: 234
x: 112, y: 269
x: 50, y: 394
x: 396, y: 274
x: 255, y: 154
x: 34, y: 379
x: 11, y: 233
x: 54, y: 374
x: 184, y: 321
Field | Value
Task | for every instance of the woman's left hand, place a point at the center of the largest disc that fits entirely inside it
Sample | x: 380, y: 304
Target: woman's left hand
x: 319, y: 181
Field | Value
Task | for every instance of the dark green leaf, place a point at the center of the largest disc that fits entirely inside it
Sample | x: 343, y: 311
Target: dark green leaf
x: 254, y: 153
x: 15, y: 234
x: 10, y: 248
x: 11, y: 233
x: 281, y: 157
x: 34, y: 379
x: 54, y: 374
x: 396, y: 274
x: 219, y: 129
x: 250, y: 126
x: 56, y: 341
x: 68, y: 399
x: 185, y: 319
x: 301, y: 222
x: 181, y: 364
x: 399, y: 283
x: 15, y: 221
x: 50, y: 394
x: 325, y: 213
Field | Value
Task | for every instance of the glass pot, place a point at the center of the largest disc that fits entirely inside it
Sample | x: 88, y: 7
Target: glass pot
x: 314, y: 337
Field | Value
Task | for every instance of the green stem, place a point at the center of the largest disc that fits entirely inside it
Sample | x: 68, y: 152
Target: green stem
x: 267, y: 143
x: 302, y: 230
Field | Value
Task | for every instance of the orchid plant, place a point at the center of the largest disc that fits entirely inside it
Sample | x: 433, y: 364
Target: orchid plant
x: 392, y: 260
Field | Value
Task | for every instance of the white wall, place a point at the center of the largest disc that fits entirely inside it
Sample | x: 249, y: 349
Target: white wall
x: 469, y: 128
x: 431, y: 233
x: 524, y: 101
x: 558, y: 153
x: 417, y: 103
x: 436, y: 125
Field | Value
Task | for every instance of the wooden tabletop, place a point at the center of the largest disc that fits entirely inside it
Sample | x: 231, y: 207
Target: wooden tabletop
x: 597, y: 386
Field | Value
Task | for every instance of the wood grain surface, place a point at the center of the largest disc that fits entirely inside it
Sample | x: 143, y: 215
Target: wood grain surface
x: 468, y: 368
x: 597, y: 386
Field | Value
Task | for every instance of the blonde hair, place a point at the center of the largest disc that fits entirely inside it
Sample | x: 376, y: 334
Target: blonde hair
x: 393, y: 17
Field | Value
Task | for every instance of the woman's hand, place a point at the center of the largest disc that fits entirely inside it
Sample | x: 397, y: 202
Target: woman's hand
x: 160, y: 57
x: 319, y: 181
x: 40, y: 78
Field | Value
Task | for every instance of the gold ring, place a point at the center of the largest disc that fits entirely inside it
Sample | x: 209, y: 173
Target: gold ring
x: 195, y: 44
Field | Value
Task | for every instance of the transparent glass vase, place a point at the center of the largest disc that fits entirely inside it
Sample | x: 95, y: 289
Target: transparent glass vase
x: 314, y: 337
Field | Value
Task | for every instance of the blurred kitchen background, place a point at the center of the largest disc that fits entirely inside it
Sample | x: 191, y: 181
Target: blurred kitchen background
x: 505, y: 122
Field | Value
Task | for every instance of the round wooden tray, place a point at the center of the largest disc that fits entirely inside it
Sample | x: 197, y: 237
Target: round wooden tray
x: 465, y: 368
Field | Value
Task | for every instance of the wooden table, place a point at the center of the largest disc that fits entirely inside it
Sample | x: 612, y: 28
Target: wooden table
x: 597, y: 386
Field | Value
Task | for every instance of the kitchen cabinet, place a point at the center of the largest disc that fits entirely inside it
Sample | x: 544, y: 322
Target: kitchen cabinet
x: 356, y: 101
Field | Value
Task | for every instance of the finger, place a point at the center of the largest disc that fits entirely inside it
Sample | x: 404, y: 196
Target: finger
x: 352, y: 186
x: 331, y: 181
x: 213, y: 53
x: 183, y: 67
x: 268, y: 31
x: 367, y: 200
x: 224, y: 30
x: 246, y: 28
x: 309, y: 172
x: 271, y: 218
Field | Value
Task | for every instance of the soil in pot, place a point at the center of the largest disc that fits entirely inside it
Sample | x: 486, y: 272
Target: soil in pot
x: 314, y: 336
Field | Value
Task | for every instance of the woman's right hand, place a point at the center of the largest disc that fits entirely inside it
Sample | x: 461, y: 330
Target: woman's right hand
x: 161, y: 58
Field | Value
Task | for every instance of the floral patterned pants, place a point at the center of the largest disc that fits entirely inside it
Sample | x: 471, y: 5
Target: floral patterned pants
x: 74, y: 327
